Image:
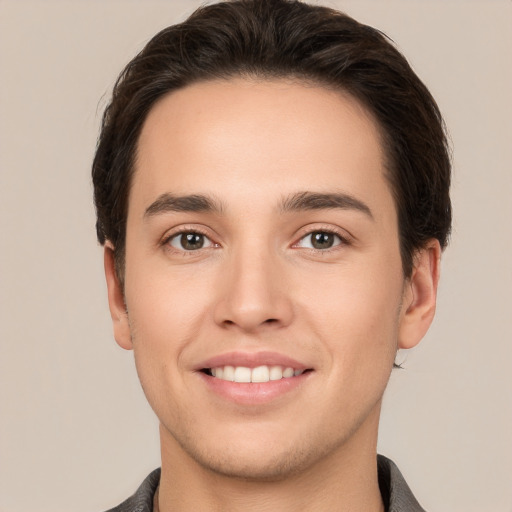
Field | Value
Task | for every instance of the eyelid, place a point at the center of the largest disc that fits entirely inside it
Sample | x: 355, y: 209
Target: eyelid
x: 346, y: 238
x: 193, y: 228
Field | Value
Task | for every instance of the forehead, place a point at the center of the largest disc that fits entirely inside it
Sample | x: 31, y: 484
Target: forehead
x: 238, y: 137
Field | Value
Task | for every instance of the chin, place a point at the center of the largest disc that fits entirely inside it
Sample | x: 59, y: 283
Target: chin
x: 260, y: 460
x: 257, y: 469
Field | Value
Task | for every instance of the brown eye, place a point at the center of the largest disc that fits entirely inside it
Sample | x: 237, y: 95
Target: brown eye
x: 320, y: 240
x: 190, y: 241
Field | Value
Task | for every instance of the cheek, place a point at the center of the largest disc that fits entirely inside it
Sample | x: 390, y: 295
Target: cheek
x: 165, y: 306
x: 165, y: 313
x: 355, y: 321
x: 164, y: 320
x: 356, y: 315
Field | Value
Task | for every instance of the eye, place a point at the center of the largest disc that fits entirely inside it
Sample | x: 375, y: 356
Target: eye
x: 320, y: 240
x: 190, y: 241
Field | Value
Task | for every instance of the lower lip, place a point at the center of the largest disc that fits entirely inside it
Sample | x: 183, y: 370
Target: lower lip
x: 253, y: 393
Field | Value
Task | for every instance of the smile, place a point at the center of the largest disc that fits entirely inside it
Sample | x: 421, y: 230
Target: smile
x: 244, y: 374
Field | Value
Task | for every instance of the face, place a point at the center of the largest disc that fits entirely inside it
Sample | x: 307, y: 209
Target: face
x: 264, y: 289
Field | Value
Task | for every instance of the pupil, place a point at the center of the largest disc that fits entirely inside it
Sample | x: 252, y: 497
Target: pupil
x: 192, y: 241
x: 322, y: 240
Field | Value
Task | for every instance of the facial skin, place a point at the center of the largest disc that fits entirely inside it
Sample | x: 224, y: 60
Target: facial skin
x: 257, y: 285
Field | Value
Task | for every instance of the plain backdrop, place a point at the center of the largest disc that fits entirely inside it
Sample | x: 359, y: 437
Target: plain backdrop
x: 76, y: 433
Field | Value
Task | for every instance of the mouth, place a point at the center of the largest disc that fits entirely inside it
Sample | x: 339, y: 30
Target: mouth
x: 259, y: 374
x: 253, y: 378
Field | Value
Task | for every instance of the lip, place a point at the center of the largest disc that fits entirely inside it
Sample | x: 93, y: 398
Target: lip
x: 252, y: 360
x: 252, y: 393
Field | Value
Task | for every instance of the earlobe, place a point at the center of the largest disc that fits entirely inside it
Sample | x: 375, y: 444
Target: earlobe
x: 420, y: 296
x: 116, y: 301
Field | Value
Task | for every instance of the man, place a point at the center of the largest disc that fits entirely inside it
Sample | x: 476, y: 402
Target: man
x: 271, y: 183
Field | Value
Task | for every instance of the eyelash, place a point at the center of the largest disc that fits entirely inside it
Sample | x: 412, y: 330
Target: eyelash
x: 344, y: 240
x: 166, y: 242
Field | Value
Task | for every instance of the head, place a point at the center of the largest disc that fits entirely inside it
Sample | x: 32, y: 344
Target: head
x: 271, y: 182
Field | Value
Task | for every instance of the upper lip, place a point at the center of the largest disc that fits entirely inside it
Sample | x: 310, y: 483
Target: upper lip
x: 252, y: 360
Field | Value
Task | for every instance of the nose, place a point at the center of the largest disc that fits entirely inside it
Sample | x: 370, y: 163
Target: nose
x: 254, y: 294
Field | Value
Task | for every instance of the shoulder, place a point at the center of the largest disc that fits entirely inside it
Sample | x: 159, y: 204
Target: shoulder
x: 142, y: 500
x: 396, y: 494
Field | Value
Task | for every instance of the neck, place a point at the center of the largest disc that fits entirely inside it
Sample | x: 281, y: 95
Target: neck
x: 344, y: 480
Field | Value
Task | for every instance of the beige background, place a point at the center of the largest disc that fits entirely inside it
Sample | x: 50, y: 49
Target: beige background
x: 75, y: 432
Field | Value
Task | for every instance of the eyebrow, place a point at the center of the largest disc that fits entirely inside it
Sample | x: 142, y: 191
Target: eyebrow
x: 191, y: 203
x: 299, y: 201
x: 302, y: 201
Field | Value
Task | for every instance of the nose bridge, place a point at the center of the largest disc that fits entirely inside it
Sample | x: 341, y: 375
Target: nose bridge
x: 253, y: 290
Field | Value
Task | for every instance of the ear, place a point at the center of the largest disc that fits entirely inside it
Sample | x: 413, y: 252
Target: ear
x: 116, y: 302
x: 420, y: 295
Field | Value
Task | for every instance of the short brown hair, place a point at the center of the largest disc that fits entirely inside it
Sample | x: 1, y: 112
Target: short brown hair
x: 274, y: 39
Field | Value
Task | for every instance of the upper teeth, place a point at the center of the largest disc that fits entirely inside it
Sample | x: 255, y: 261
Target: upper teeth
x: 258, y: 374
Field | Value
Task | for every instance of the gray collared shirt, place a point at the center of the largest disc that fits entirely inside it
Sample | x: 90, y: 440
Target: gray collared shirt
x: 395, y: 492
